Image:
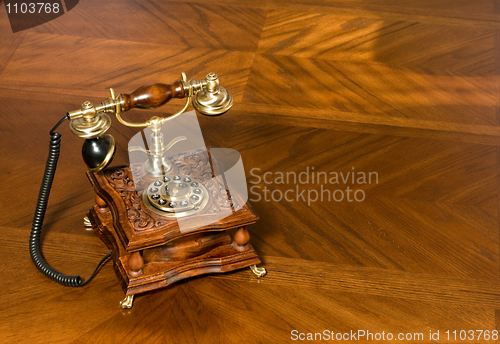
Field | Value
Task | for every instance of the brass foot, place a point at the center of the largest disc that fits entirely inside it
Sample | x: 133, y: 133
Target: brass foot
x: 86, y: 222
x: 127, y: 301
x: 259, y: 272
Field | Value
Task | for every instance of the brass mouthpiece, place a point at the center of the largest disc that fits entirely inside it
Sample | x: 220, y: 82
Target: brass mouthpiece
x: 212, y: 99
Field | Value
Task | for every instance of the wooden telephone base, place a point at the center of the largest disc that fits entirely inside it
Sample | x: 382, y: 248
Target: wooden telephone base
x: 151, y: 251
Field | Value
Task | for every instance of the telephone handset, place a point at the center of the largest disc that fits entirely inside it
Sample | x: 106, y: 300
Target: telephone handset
x: 91, y: 122
x: 168, y: 190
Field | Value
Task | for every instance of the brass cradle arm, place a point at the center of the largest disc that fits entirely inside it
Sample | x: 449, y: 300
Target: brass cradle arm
x: 209, y: 99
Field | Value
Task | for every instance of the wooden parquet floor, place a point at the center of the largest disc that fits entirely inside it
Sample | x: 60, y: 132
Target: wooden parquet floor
x: 408, y: 90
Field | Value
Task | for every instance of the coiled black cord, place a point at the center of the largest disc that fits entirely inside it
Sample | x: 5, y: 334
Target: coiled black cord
x: 41, y: 206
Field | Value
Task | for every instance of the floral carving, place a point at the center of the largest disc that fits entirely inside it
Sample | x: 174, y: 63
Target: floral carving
x: 193, y: 164
x: 120, y: 179
x: 139, y: 218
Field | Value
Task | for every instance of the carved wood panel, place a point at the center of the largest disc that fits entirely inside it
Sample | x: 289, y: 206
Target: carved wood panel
x: 195, y: 164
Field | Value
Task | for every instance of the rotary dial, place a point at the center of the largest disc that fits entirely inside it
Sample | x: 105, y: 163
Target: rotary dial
x: 176, y: 195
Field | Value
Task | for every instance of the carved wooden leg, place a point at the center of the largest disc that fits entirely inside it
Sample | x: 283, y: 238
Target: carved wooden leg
x: 135, y: 264
x: 242, y: 238
x: 101, y: 203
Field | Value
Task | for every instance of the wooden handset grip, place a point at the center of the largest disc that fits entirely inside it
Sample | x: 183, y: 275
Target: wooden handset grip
x: 152, y: 95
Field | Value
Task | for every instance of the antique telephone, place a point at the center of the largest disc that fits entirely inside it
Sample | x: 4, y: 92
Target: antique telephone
x: 165, y: 218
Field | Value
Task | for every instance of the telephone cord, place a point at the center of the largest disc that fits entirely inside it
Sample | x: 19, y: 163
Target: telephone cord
x: 41, y: 206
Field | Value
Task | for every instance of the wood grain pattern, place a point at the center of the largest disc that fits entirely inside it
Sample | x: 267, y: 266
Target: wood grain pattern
x: 372, y: 281
x: 370, y: 89
x: 405, y: 89
x: 188, y: 24
x: 455, y: 11
x: 429, y: 48
x: 69, y: 73
x: 10, y: 41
